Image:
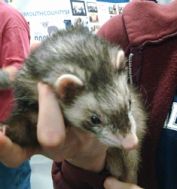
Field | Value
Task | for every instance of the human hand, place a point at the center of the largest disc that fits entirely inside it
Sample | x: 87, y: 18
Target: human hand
x: 56, y: 142
x: 112, y: 183
x: 59, y: 143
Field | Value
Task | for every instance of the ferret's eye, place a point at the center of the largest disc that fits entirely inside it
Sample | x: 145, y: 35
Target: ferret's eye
x: 95, y: 119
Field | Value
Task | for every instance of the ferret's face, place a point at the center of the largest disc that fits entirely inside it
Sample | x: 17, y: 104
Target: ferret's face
x: 107, y: 113
x: 102, y: 105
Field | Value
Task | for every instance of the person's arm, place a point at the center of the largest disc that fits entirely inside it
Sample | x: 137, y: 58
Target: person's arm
x: 15, y: 48
x: 50, y: 126
x: 56, y: 142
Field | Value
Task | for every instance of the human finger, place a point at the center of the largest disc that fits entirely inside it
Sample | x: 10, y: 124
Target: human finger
x: 112, y: 183
x: 50, y: 128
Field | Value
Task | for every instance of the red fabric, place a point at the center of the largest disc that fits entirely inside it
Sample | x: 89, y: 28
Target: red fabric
x: 14, y: 47
x: 149, y: 31
x: 67, y: 176
x: 152, y: 39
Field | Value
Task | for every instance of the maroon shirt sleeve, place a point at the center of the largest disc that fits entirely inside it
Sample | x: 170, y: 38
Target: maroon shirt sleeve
x: 67, y: 176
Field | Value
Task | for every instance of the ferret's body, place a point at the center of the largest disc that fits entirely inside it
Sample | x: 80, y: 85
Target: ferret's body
x: 89, y: 77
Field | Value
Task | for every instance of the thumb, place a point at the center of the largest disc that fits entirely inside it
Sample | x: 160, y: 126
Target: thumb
x: 112, y: 183
x: 50, y: 128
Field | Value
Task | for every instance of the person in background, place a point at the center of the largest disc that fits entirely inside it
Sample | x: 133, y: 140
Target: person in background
x: 147, y: 31
x: 14, y: 47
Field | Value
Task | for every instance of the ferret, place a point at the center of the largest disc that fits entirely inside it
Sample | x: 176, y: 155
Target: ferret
x: 89, y: 76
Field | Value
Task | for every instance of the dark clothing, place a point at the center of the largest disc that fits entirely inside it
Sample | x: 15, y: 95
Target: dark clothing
x: 167, y: 160
x: 152, y: 43
x: 167, y: 153
x: 148, y: 33
x: 67, y: 176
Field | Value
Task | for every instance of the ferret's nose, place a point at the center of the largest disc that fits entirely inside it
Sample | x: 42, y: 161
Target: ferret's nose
x: 129, y: 142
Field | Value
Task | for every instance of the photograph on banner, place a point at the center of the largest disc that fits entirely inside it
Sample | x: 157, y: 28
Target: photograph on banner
x: 78, y: 8
x: 112, y: 9
x: 92, y: 7
x: 93, y: 17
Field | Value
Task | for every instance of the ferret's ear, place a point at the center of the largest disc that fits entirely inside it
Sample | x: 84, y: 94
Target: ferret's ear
x: 120, y: 62
x: 68, y: 86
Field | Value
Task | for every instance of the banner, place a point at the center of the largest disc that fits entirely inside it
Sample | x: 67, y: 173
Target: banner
x: 46, y: 17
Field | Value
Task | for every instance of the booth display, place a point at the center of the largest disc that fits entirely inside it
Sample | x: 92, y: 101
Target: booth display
x: 48, y: 16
